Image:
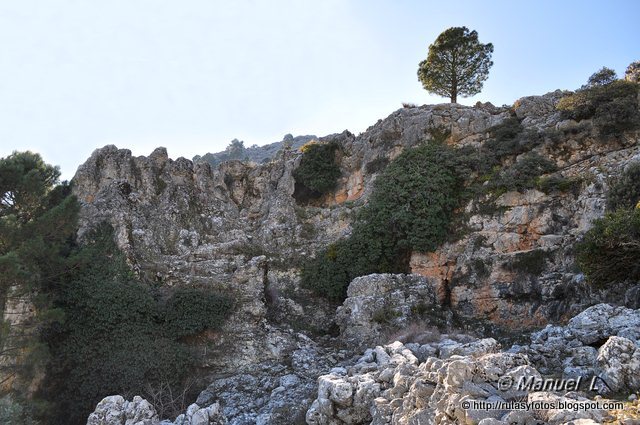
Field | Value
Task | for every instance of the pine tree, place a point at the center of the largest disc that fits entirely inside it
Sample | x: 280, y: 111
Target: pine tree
x: 457, y: 64
x: 37, y: 222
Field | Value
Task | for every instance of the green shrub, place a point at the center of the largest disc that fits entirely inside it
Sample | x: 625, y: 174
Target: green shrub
x: 610, y: 251
x: 625, y: 190
x: 439, y: 134
x: 529, y: 262
x: 190, y: 311
x: 116, y: 337
x: 613, y: 106
x: 385, y: 315
x: 415, y: 197
x: 366, y: 251
x: 410, y: 209
x: 523, y: 174
x: 318, y: 172
x: 505, y: 138
x: 13, y: 412
x: 475, y: 164
x: 619, y: 115
x: 508, y: 139
x: 557, y: 183
x: 376, y: 165
x: 481, y: 268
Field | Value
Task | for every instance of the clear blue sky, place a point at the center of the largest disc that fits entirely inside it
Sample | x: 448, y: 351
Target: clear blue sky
x: 191, y: 75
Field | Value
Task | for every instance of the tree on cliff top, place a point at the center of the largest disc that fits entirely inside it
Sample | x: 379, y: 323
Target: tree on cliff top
x: 457, y: 64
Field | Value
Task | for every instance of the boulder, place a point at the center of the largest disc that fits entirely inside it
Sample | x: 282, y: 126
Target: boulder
x: 115, y: 410
x: 618, y: 364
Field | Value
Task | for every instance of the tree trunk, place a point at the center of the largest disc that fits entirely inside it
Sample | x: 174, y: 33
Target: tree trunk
x: 454, y: 88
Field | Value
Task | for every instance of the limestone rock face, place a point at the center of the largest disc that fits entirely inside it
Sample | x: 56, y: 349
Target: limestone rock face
x: 633, y: 72
x: 183, y: 224
x: 516, y: 265
x: 384, y: 301
x: 237, y: 228
x: 538, y: 111
x: 188, y: 224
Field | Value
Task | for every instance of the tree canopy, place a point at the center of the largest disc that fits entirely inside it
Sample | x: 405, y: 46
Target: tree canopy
x: 457, y: 64
x: 602, y: 77
x: 37, y: 221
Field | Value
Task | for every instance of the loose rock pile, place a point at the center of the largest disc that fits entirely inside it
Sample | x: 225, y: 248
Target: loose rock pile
x: 392, y: 385
x: 432, y: 383
x: 115, y: 410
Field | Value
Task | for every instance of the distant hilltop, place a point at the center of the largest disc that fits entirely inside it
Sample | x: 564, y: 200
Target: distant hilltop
x: 258, y: 154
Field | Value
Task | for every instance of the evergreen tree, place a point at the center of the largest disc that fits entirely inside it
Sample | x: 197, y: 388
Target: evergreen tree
x: 602, y: 77
x: 457, y: 64
x: 37, y: 223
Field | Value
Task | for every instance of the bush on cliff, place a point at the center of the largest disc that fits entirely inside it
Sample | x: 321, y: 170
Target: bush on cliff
x: 117, y: 338
x: 505, y: 138
x: 610, y: 251
x: 190, y: 311
x: 111, y: 341
x: 508, y: 141
x: 612, y: 104
x: 523, y: 174
x: 410, y: 209
x: 625, y: 190
x: 318, y: 172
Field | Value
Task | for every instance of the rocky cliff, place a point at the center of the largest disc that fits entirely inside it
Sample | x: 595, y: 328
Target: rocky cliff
x: 259, y: 154
x: 238, y: 228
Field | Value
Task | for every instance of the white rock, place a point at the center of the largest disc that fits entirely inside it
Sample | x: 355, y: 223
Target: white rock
x: 618, y: 364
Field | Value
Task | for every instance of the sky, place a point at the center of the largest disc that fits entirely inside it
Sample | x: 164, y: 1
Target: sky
x: 192, y: 75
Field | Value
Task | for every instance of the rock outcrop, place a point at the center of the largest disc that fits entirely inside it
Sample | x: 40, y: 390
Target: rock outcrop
x: 258, y: 154
x: 632, y: 73
x: 115, y: 410
x: 237, y: 228
x: 572, y: 349
x: 274, y: 393
x: 380, y: 302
